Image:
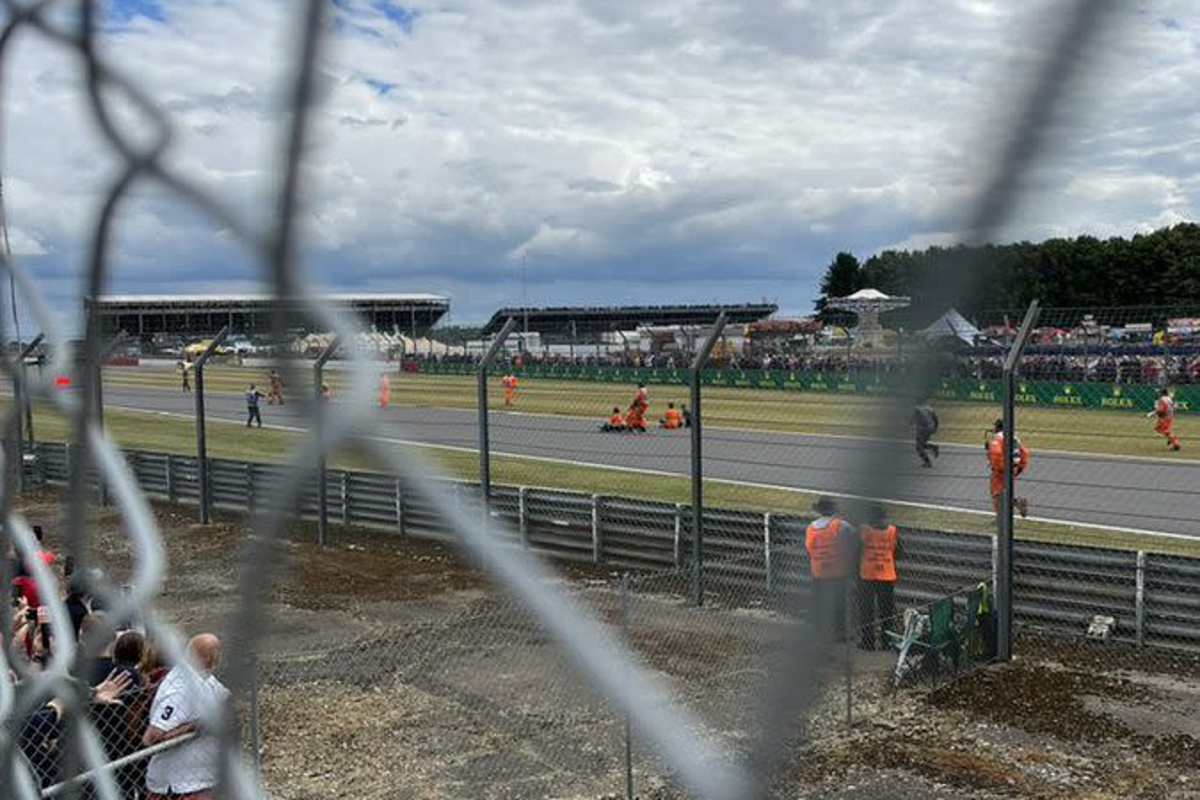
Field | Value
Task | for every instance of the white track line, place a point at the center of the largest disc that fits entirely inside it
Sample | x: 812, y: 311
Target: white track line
x: 724, y: 481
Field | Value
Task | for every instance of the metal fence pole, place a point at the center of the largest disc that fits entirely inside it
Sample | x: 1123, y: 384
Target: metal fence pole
x: 201, y: 440
x: 1004, y: 566
x: 319, y: 401
x: 485, y: 461
x: 23, y: 406
x: 698, y: 461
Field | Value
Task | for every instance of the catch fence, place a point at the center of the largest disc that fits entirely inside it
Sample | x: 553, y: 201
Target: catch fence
x: 757, y: 557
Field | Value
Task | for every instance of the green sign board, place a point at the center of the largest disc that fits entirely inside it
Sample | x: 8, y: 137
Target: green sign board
x: 1048, y: 394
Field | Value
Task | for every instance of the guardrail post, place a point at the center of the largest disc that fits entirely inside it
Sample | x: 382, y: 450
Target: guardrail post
x: 597, y: 544
x: 522, y: 519
x: 345, y: 498
x: 767, y: 550
x: 399, y: 508
x: 1140, y: 599
x: 171, y: 494
x: 248, y: 468
x: 677, y: 553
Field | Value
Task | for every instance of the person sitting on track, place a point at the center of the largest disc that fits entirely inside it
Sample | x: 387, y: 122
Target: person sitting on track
x: 616, y: 421
x: 672, y: 418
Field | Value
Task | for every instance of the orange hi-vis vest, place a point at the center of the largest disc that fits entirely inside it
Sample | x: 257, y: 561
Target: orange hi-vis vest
x: 672, y: 418
x: 824, y: 553
x: 616, y: 419
x: 878, y: 562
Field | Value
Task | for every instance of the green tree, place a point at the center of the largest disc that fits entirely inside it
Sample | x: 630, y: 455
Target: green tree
x: 843, y: 276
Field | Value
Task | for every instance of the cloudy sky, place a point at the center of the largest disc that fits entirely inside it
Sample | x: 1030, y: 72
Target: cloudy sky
x: 611, y: 151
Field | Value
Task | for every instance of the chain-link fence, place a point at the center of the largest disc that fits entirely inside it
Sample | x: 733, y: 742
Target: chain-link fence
x: 704, y: 706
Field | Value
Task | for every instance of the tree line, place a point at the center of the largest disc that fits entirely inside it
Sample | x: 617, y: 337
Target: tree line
x: 1160, y: 269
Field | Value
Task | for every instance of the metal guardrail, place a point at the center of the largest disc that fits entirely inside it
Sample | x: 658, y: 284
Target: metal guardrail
x: 1154, y: 598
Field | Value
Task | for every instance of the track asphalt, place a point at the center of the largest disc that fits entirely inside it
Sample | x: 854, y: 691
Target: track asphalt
x: 1139, y: 494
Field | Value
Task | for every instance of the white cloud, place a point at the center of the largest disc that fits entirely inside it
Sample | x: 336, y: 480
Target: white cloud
x: 732, y: 142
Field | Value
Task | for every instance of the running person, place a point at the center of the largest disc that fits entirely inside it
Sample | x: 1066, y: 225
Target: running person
x: 995, y: 450
x: 253, y: 413
x: 925, y: 425
x: 276, y: 393
x: 1164, y: 409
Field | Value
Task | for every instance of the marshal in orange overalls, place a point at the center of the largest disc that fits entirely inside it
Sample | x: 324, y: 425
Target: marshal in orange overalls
x: 1164, y: 410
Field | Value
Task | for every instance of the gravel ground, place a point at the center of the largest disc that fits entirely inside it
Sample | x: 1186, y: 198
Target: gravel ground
x: 393, y: 671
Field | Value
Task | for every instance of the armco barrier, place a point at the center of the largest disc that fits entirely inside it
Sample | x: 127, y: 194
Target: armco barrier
x: 1155, y: 599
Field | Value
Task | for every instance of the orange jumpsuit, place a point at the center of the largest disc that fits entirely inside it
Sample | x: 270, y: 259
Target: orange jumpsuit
x: 672, y: 418
x: 509, y: 382
x: 996, y: 460
x: 1164, y: 410
x: 385, y: 391
x: 635, y: 418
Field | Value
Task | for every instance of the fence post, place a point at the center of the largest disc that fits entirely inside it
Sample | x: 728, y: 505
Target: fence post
x: 399, y: 508
x: 597, y: 544
x: 522, y: 520
x: 22, y: 405
x: 251, y: 500
x: 319, y: 401
x: 201, y: 440
x: 171, y: 494
x: 481, y: 380
x: 698, y: 461
x: 677, y: 553
x: 1004, y: 576
x: 345, y: 498
x: 1140, y: 599
x: 767, y: 550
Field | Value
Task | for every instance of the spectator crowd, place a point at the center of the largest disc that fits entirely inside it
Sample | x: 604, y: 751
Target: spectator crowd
x: 127, y: 690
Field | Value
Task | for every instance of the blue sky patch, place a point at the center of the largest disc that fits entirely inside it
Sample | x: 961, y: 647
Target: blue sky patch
x: 404, y: 17
x: 120, y: 12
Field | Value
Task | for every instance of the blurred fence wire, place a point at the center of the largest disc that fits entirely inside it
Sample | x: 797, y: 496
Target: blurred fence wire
x: 564, y: 656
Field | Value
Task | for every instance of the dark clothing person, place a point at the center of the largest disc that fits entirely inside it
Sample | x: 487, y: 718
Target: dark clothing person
x: 925, y: 424
x: 252, y: 411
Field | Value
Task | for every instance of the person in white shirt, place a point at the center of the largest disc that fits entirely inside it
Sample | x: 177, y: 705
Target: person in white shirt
x: 189, y: 771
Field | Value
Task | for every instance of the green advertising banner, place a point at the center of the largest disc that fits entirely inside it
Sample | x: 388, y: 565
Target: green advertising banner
x: 1048, y: 394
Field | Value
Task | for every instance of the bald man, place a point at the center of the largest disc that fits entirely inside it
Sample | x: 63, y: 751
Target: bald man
x: 188, y: 771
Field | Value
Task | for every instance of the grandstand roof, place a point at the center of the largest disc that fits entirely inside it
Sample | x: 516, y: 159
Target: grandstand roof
x: 145, y: 316
x: 575, y: 321
x: 209, y: 299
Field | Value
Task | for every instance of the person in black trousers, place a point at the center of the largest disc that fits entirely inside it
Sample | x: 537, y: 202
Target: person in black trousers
x: 925, y: 425
x: 253, y: 395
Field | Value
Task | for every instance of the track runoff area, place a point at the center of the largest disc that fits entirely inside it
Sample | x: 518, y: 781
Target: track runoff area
x: 1095, y: 477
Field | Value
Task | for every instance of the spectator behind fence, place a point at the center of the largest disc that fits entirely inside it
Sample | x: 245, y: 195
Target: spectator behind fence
x: 189, y: 770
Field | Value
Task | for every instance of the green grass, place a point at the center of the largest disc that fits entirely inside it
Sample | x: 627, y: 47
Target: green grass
x: 1080, y: 430
x: 160, y: 433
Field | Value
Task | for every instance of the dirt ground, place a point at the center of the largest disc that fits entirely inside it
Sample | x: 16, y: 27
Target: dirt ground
x: 391, y: 670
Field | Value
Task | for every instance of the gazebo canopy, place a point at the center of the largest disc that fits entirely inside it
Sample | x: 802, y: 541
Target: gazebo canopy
x: 868, y: 300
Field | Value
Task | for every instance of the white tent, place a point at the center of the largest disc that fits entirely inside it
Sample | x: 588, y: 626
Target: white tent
x: 952, y: 325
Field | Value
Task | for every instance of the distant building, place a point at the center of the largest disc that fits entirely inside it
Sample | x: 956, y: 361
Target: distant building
x: 142, y: 317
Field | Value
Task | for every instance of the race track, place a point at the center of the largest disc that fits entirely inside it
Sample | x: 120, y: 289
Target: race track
x: 1159, y: 495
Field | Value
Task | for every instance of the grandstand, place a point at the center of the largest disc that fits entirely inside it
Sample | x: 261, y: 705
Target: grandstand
x: 145, y: 316
x: 566, y: 324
